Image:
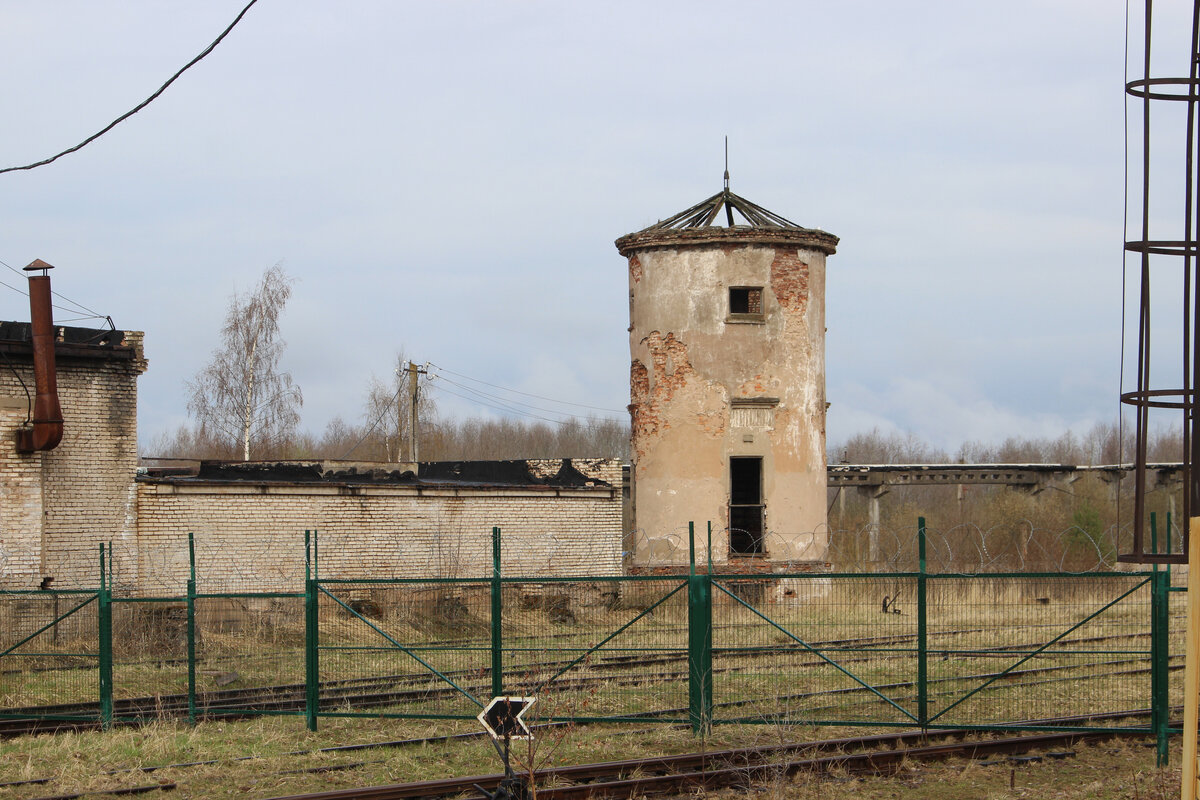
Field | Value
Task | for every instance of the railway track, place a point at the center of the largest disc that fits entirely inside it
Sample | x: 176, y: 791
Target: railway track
x: 238, y: 704
x: 373, y: 692
x: 619, y: 662
x: 519, y: 644
x: 712, y: 770
x: 612, y: 778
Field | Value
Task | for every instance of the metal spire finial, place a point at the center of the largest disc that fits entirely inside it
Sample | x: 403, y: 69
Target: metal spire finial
x: 727, y: 195
x: 727, y: 162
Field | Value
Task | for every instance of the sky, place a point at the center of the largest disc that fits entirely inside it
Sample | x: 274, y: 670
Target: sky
x: 448, y: 179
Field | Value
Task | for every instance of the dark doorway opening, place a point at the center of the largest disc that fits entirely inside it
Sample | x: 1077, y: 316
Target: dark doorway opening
x: 745, y: 506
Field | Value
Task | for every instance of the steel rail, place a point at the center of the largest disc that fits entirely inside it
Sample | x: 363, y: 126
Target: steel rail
x: 893, y: 738
x: 271, y: 701
x: 675, y: 774
x: 284, y: 697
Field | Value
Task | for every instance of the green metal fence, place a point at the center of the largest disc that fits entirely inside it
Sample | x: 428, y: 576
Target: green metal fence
x: 900, y: 649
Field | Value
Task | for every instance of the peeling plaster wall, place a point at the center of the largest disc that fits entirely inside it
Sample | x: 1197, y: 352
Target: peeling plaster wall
x: 691, y: 360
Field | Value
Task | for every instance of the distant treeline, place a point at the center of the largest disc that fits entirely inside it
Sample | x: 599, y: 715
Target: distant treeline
x: 1104, y: 443
x: 486, y: 439
x: 439, y: 440
x: 1089, y: 505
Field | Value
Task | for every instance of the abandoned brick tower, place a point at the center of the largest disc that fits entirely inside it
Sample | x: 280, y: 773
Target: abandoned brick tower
x: 727, y: 383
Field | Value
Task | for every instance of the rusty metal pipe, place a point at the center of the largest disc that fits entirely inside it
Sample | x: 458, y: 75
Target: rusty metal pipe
x: 47, y: 428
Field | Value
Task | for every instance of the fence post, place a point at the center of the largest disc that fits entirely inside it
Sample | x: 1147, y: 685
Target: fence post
x: 104, y: 626
x: 191, y: 629
x: 1168, y: 546
x: 1160, y: 598
x: 497, y: 608
x: 708, y: 548
x: 1191, y: 670
x: 312, y: 684
x: 700, y: 689
x: 691, y: 548
x: 922, y: 643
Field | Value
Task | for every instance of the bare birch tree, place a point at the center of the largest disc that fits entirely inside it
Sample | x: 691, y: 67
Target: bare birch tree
x: 241, y: 396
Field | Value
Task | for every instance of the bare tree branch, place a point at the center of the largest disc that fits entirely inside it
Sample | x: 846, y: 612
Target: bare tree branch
x: 241, y: 396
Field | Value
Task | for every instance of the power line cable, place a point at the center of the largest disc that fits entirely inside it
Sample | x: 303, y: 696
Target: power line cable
x: 77, y: 304
x: 71, y: 319
x: 21, y: 292
x: 526, y: 394
x: 24, y: 293
x: 516, y: 407
x: 507, y: 400
x: 495, y: 405
x: 572, y: 421
x: 387, y: 410
x: 28, y: 398
x: 140, y: 105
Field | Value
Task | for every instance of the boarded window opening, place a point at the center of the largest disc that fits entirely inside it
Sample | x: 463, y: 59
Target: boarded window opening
x: 745, y: 300
x: 745, y: 506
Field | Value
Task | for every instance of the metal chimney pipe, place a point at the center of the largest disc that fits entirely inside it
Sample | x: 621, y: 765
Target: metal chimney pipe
x: 47, y: 428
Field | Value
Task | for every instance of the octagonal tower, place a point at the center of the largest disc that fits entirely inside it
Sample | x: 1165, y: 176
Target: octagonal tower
x: 727, y: 383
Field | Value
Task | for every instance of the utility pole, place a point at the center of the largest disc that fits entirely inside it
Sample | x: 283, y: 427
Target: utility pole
x: 414, y: 392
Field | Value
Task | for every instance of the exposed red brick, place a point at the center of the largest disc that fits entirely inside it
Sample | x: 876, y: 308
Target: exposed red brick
x: 635, y: 269
x: 713, y: 422
x: 639, y: 382
x: 672, y: 369
x: 752, y: 387
x: 789, y: 280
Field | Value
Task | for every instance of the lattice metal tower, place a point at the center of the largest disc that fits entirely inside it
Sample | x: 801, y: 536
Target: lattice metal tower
x: 1168, y: 156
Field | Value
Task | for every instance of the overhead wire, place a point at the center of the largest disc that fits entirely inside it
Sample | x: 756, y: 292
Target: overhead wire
x: 526, y: 394
x: 140, y: 105
x: 386, y: 410
x: 485, y: 399
x: 572, y: 420
x: 28, y: 397
x: 15, y: 289
x: 76, y: 303
x: 510, y: 401
x: 495, y: 407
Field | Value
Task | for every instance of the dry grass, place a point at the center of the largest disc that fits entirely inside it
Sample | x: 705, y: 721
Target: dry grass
x: 1116, y: 770
x: 98, y: 761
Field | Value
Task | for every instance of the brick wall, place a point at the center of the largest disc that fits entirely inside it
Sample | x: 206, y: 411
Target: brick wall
x: 56, y: 507
x: 250, y: 537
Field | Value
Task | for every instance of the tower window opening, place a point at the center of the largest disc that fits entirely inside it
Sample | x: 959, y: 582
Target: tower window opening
x: 746, y: 508
x: 746, y: 301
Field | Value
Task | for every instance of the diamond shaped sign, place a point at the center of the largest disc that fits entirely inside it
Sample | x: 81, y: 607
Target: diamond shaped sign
x: 502, y: 717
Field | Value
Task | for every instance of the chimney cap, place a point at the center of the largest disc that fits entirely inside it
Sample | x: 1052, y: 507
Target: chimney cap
x: 37, y: 264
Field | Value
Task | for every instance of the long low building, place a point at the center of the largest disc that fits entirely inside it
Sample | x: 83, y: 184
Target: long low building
x: 247, y: 522
x: 556, y: 517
